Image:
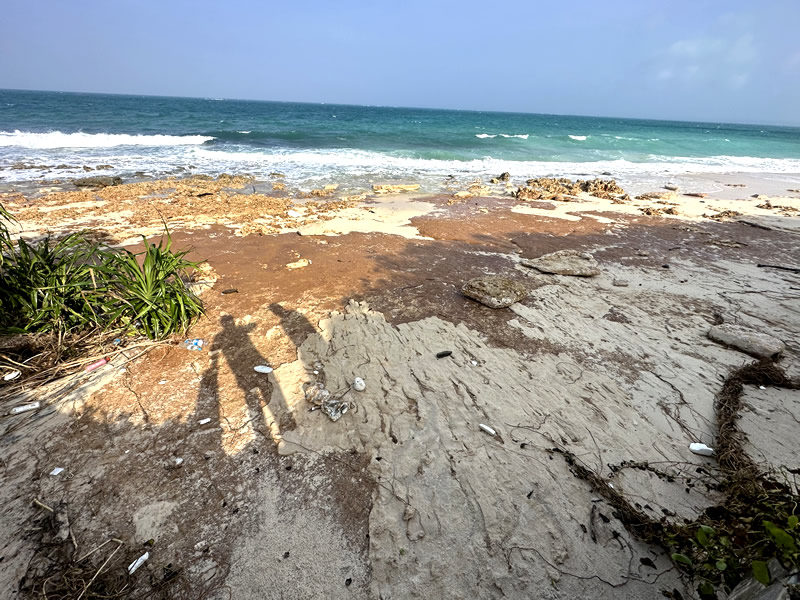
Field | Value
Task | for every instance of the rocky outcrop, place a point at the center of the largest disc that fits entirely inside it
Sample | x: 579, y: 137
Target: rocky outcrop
x: 100, y: 181
x: 565, y: 262
x: 385, y: 188
x: 547, y: 188
x: 760, y: 345
x: 494, y: 291
x: 503, y: 177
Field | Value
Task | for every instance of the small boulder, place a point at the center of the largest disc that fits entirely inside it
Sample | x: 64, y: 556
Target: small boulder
x: 565, y: 262
x: 494, y: 291
x: 99, y: 181
x: 760, y: 345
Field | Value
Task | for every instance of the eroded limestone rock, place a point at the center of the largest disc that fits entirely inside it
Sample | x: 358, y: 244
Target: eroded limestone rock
x: 495, y: 291
x: 761, y: 345
x: 565, y: 262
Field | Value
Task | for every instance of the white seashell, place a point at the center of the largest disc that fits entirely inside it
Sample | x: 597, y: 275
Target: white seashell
x: 359, y: 385
x: 487, y: 429
x: 701, y: 449
x: 138, y: 563
x: 262, y: 369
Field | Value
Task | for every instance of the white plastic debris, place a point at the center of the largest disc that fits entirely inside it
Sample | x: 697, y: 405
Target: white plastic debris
x: 474, y: 363
x: 359, y: 385
x: 294, y: 213
x: 204, y: 421
x: 701, y: 449
x: 138, y: 563
x: 24, y: 408
x: 178, y: 461
x: 262, y: 369
x: 12, y: 375
x: 761, y: 387
x: 162, y: 382
x: 57, y: 471
x: 487, y: 429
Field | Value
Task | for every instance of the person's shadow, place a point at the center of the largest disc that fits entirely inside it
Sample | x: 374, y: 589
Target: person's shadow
x: 233, y: 344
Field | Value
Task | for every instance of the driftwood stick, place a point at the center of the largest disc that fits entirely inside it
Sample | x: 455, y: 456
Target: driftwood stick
x: 791, y: 269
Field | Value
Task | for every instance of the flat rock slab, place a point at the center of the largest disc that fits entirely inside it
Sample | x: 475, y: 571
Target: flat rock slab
x: 565, y: 262
x: 757, y: 344
x: 494, y: 291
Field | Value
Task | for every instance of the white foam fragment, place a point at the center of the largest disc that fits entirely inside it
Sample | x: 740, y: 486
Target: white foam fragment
x: 701, y: 449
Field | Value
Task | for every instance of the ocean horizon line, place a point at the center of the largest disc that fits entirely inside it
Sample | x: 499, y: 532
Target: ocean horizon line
x: 398, y: 107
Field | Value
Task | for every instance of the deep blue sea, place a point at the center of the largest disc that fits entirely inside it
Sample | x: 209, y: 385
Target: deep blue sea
x: 314, y: 144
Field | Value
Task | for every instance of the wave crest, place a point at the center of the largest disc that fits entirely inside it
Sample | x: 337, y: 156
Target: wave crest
x: 57, y: 139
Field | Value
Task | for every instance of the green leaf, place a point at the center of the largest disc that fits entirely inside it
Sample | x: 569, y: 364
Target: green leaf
x: 722, y: 565
x: 793, y: 521
x: 706, y: 590
x: 761, y: 572
x: 681, y: 558
x: 782, y: 539
x: 725, y: 541
x: 703, y: 536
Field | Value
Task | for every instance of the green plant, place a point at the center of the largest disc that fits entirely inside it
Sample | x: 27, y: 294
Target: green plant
x: 151, y: 293
x: 74, y: 284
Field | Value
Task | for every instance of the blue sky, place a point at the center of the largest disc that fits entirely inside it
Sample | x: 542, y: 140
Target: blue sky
x: 696, y: 60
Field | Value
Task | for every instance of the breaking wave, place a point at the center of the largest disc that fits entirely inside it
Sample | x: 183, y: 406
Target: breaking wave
x: 57, y: 139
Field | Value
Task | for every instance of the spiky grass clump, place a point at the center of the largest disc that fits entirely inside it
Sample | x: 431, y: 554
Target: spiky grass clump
x: 73, y: 284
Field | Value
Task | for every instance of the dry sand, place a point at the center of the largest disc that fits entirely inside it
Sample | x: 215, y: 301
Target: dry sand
x: 406, y: 496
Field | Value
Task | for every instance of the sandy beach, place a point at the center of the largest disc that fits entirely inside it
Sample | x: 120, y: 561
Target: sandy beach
x: 440, y: 480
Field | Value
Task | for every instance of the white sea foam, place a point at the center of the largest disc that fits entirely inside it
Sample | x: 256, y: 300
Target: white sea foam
x: 57, y: 139
x: 578, y: 138
x: 483, y: 136
x: 246, y: 131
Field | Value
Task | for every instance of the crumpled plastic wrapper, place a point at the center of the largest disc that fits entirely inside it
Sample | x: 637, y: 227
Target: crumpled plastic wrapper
x: 321, y: 397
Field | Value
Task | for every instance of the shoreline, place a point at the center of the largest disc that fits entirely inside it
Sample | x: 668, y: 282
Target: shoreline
x: 406, y: 495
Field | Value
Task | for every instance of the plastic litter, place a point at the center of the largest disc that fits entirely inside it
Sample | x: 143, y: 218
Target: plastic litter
x: 24, y: 408
x: 487, y: 429
x: 262, y: 369
x: 204, y: 421
x: 162, y: 382
x: 195, y: 344
x: 359, y: 385
x: 138, y: 563
x: 57, y: 471
x: 11, y: 376
x: 321, y: 398
x: 178, y: 461
x: 96, y: 365
x: 294, y: 213
x: 444, y: 354
x: 701, y: 449
x: 762, y: 387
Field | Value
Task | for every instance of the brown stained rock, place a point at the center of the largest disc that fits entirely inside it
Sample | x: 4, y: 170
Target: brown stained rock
x: 548, y: 187
x: 565, y: 262
x: 100, y: 181
x: 494, y: 291
x: 755, y: 343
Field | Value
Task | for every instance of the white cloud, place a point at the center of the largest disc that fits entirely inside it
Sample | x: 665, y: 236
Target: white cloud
x: 726, y: 58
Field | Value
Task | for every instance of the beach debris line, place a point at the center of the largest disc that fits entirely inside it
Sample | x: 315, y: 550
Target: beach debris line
x: 494, y: 291
x: 565, y: 262
x: 760, y: 345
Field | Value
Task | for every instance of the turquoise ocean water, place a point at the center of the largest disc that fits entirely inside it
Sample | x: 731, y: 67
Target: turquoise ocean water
x: 313, y: 144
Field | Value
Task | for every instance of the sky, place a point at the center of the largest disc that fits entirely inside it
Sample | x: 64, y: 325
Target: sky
x: 700, y: 60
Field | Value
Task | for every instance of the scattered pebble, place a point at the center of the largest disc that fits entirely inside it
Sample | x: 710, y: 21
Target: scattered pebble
x: 620, y: 283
